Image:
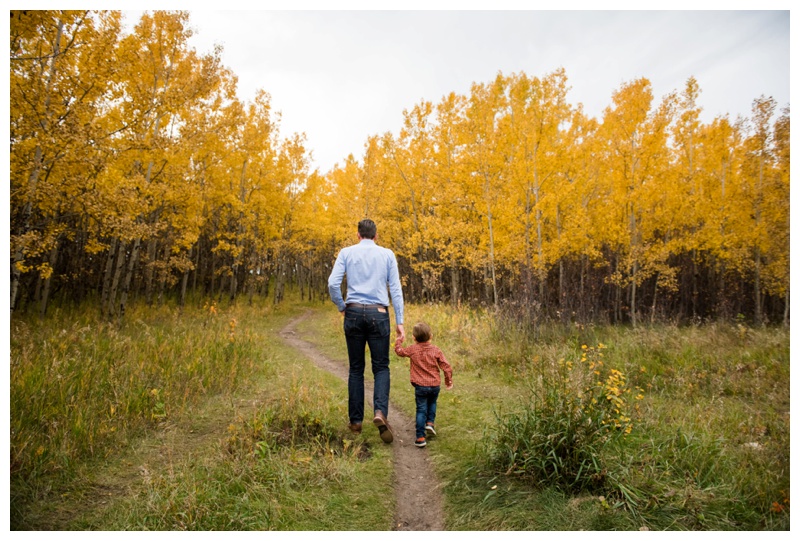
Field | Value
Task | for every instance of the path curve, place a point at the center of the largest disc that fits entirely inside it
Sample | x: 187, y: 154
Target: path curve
x: 417, y: 490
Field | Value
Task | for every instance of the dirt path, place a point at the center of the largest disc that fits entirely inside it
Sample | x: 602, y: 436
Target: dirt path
x: 419, y: 500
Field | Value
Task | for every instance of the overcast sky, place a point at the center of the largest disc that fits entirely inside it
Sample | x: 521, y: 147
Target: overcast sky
x: 341, y: 76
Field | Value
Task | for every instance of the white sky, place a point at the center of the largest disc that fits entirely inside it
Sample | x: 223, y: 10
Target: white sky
x: 340, y: 76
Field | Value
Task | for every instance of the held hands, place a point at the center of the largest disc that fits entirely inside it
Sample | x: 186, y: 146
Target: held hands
x: 401, y: 334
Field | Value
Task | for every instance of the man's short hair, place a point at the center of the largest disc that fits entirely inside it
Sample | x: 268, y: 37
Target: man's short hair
x: 421, y: 332
x: 367, y: 229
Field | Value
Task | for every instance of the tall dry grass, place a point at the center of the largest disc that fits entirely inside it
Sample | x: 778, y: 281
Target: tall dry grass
x: 79, y: 385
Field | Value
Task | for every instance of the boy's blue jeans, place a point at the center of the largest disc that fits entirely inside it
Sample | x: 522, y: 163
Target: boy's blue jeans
x: 362, y: 327
x: 426, y: 406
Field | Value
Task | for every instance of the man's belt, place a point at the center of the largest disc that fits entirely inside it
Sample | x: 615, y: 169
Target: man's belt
x: 357, y: 305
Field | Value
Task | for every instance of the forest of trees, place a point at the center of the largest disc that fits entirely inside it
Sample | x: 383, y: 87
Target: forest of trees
x: 136, y: 173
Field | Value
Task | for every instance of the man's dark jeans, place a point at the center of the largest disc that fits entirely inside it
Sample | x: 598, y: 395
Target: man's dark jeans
x: 426, y: 406
x: 362, y: 327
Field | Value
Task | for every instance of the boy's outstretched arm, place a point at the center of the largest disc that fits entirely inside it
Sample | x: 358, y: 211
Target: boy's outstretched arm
x: 399, y: 349
x: 447, y: 369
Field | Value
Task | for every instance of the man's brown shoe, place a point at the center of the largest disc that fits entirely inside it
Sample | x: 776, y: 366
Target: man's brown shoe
x: 355, y: 428
x: 383, y: 427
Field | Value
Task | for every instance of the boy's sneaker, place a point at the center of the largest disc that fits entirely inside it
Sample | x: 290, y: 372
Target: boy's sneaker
x: 420, y: 442
x: 429, y: 429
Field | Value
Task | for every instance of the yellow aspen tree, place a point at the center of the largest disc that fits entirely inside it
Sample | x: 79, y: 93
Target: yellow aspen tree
x: 416, y: 196
x: 659, y: 223
x: 763, y: 231
x: 182, y: 197
x: 535, y: 146
x: 292, y: 178
x: 580, y: 169
x: 217, y: 160
x: 779, y: 264
x: 160, y: 77
x: 350, y: 199
x: 757, y: 172
x: 621, y: 133
x: 315, y: 235
x: 208, y: 127
x: 56, y: 129
x: 487, y: 103
x: 360, y: 190
x: 457, y: 219
x: 205, y: 128
x: 400, y: 215
x: 375, y: 194
x: 251, y: 198
x: 688, y: 202
x: 636, y: 157
x: 719, y: 157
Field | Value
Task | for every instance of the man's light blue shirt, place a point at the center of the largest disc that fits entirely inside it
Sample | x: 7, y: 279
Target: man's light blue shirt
x: 369, y: 269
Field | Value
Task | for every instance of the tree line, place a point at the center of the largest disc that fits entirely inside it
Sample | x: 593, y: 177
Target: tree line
x: 137, y: 172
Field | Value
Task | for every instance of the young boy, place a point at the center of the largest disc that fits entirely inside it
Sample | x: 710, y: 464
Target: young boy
x: 426, y: 360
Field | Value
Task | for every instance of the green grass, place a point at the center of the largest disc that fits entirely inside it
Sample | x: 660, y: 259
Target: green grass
x: 287, y: 466
x: 187, y: 420
x: 179, y: 420
x: 709, y: 446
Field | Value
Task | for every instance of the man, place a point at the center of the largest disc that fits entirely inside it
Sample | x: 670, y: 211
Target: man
x: 369, y: 269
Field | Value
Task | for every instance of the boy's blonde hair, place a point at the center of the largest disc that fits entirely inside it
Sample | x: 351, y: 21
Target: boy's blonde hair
x: 421, y: 332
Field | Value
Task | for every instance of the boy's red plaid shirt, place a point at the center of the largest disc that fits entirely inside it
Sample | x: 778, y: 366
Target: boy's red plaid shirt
x: 426, y: 360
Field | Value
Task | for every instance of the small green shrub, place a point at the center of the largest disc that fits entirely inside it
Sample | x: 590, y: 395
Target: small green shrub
x: 558, y: 437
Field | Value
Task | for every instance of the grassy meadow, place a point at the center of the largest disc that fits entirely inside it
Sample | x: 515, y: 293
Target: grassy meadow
x: 194, y: 419
x: 708, y: 447
x: 202, y: 419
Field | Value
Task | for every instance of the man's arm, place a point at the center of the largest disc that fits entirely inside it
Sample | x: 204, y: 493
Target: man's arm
x: 396, y: 292
x: 335, y: 283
